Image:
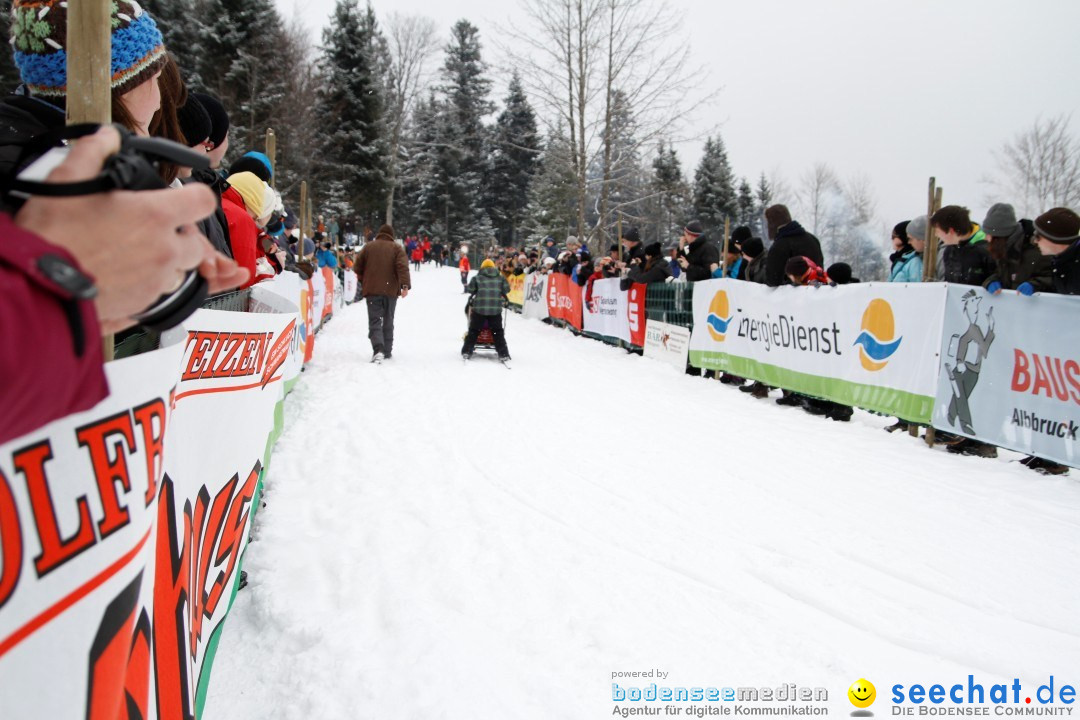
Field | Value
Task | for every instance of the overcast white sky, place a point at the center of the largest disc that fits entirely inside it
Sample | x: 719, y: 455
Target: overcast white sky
x: 897, y: 90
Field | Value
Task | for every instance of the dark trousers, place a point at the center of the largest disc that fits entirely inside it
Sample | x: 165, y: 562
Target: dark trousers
x: 491, y: 322
x: 380, y: 315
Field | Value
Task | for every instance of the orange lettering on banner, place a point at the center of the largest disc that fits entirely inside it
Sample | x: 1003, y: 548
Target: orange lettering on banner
x: 151, y: 420
x: 97, y: 439
x: 55, y: 550
x: 200, y: 342
x: 11, y: 542
x: 233, y: 354
x: 232, y: 538
x: 206, y: 528
x: 172, y: 672
x: 110, y: 657
x: 184, y: 596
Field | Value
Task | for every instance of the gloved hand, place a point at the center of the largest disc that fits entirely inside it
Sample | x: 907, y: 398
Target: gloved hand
x: 994, y: 288
x: 1026, y: 288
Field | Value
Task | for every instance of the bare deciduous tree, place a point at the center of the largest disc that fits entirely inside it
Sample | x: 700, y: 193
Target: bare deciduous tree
x: 412, y: 41
x: 1040, y: 168
x: 816, y: 188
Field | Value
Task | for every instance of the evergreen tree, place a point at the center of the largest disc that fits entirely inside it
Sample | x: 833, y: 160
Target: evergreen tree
x: 515, y: 158
x: 714, y: 188
x: 626, y: 183
x: 461, y: 162
x: 238, y: 64
x: 672, y: 199
x: 763, y: 195
x: 352, y: 166
x: 176, y: 20
x: 553, y: 195
x: 9, y: 73
x: 424, y: 185
x: 747, y: 214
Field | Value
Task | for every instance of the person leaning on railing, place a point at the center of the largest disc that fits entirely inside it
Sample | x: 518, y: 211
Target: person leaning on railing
x: 75, y: 268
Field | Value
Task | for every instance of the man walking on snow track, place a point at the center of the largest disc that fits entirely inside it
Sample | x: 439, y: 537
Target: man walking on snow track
x: 383, y: 271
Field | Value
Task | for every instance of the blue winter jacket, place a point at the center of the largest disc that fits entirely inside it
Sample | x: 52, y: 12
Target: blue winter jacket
x: 908, y: 269
x: 326, y: 258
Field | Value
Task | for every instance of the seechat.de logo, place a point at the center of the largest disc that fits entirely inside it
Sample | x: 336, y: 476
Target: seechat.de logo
x: 877, y: 342
x: 719, y: 316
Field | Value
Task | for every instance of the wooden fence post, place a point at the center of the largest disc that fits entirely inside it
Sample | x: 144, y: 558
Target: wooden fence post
x: 271, y: 152
x: 89, y: 82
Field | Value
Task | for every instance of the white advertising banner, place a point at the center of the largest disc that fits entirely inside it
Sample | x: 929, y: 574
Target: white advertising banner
x: 282, y: 295
x: 667, y: 343
x: 350, y: 286
x: 123, y: 527
x: 1004, y: 379
x: 607, y: 313
x: 318, y: 299
x: 78, y: 510
x: 536, y: 303
x: 871, y: 345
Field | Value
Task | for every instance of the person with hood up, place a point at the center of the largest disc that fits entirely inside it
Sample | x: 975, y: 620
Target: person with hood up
x: 489, y: 290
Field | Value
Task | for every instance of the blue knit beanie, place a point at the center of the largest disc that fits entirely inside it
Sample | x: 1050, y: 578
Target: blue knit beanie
x: 39, y: 39
x: 261, y: 157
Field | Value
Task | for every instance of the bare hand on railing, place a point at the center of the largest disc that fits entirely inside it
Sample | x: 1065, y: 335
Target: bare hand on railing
x: 136, y: 245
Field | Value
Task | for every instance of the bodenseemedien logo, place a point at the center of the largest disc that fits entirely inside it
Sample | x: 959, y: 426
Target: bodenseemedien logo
x: 877, y: 342
x: 862, y: 695
x: 719, y: 316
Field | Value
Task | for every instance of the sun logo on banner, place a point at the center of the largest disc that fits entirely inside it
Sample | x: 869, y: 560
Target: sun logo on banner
x: 719, y: 316
x: 877, y: 342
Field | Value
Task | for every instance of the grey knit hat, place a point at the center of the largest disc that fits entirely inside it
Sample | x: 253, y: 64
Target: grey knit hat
x: 1000, y: 220
x: 916, y: 229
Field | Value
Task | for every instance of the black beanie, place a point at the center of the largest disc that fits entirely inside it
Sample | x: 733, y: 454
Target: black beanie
x: 653, y: 250
x: 251, y: 165
x: 753, y: 247
x: 632, y: 235
x: 694, y: 227
x: 900, y: 231
x: 840, y: 273
x: 194, y: 122
x: 740, y: 235
x: 219, y: 118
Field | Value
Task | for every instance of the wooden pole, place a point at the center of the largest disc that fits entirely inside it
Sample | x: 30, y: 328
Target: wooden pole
x: 271, y: 152
x: 89, y: 90
x: 931, y: 250
x: 619, y: 231
x: 302, y: 219
x: 727, y: 239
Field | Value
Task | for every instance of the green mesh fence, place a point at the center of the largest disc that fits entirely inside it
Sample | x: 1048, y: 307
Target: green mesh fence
x: 671, y: 303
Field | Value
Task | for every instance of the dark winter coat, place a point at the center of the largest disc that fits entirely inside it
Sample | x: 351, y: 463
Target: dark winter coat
x: 489, y: 289
x: 755, y: 270
x: 21, y: 118
x: 1065, y: 271
x: 968, y: 263
x: 701, y: 254
x: 1020, y: 261
x: 635, y: 253
x: 657, y: 272
x: 382, y: 268
x: 215, y: 227
x: 791, y: 241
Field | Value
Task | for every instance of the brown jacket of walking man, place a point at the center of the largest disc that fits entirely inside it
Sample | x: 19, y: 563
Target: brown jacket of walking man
x: 383, y: 271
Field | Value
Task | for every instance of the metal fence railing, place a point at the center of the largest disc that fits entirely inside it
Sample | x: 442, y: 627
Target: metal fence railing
x: 137, y: 341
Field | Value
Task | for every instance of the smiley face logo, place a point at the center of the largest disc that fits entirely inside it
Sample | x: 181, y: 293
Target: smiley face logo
x: 862, y: 693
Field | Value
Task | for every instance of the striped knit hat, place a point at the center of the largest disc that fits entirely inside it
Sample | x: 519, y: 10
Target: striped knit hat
x: 39, y: 39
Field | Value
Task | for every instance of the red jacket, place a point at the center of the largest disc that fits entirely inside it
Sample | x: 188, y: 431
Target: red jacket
x: 463, y: 264
x: 243, y: 232
x: 598, y: 274
x: 52, y: 364
x: 418, y: 254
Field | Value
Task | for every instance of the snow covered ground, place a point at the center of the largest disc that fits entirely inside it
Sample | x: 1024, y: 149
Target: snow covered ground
x: 444, y: 540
